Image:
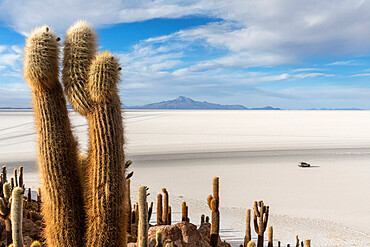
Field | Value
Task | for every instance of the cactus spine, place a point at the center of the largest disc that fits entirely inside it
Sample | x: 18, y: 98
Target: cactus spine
x: 271, y: 236
x: 143, y: 218
x: 159, y: 209
x: 247, y: 237
x: 213, y: 203
x: 165, y: 207
x: 57, y: 148
x: 17, y: 216
x: 262, y: 215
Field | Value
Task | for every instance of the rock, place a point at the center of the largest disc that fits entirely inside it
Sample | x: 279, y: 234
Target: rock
x: 184, y: 234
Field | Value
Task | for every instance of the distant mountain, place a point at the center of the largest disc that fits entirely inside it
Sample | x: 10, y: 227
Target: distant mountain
x: 336, y: 109
x: 184, y: 103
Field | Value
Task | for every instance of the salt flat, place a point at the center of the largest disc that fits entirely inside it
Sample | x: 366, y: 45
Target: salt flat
x: 255, y: 154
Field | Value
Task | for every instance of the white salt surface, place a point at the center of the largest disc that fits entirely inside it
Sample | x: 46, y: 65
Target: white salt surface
x: 255, y: 154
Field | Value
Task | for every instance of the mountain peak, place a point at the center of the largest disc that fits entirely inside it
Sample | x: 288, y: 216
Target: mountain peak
x: 185, y: 103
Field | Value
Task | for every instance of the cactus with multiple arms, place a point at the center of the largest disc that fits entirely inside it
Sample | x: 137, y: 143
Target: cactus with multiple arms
x: 90, y: 84
x: 262, y: 214
x: 213, y: 203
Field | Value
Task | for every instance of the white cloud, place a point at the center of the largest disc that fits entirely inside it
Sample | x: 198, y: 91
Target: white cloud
x: 339, y: 63
x: 363, y: 74
x: 10, y: 60
x: 25, y: 15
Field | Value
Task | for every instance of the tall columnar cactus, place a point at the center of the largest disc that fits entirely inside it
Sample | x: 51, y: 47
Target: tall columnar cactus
x: 248, y: 236
x: 72, y: 192
x: 213, y: 203
x: 165, y: 207
x: 17, y: 216
x: 260, y: 226
x: 271, y: 237
x: 143, y: 218
x: 56, y: 145
x: 159, y: 209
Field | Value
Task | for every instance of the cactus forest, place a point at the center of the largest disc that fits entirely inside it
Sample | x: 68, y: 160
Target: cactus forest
x: 85, y: 199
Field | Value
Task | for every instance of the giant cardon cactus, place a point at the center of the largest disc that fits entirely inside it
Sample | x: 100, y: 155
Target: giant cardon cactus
x: 83, y: 203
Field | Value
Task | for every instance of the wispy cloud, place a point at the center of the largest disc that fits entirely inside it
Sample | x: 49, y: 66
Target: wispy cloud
x: 349, y: 62
x: 10, y: 61
x: 363, y: 74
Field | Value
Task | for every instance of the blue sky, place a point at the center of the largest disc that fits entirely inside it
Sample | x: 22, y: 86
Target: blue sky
x: 285, y: 53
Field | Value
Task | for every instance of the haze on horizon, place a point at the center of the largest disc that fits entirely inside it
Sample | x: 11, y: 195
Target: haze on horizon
x: 283, y: 53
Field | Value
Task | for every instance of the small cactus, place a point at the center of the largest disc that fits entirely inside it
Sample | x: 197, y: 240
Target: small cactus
x: 247, y: 237
x: 17, y: 216
x: 158, y: 238
x: 202, y: 219
x: 159, y: 209
x: 307, y: 243
x: 150, y: 211
x: 213, y: 203
x: 251, y: 244
x: 262, y: 215
x: 296, y: 241
x: 36, y: 244
x: 165, y: 207
x: 270, y: 243
x: 143, y: 218
x: 183, y: 212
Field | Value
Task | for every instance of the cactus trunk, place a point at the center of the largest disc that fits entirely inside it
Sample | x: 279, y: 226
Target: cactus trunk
x: 57, y: 149
x: 105, y: 212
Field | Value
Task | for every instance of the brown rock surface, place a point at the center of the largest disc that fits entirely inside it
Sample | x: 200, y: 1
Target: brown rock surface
x: 184, y: 234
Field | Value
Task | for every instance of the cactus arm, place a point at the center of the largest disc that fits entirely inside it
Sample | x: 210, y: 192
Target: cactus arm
x: 79, y: 52
x: 266, y: 217
x: 57, y: 149
x: 255, y: 223
x: 106, y: 156
x: 209, y: 199
x: 17, y: 216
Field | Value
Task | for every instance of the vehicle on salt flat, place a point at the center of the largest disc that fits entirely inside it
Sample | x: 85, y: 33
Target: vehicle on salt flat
x: 303, y: 164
